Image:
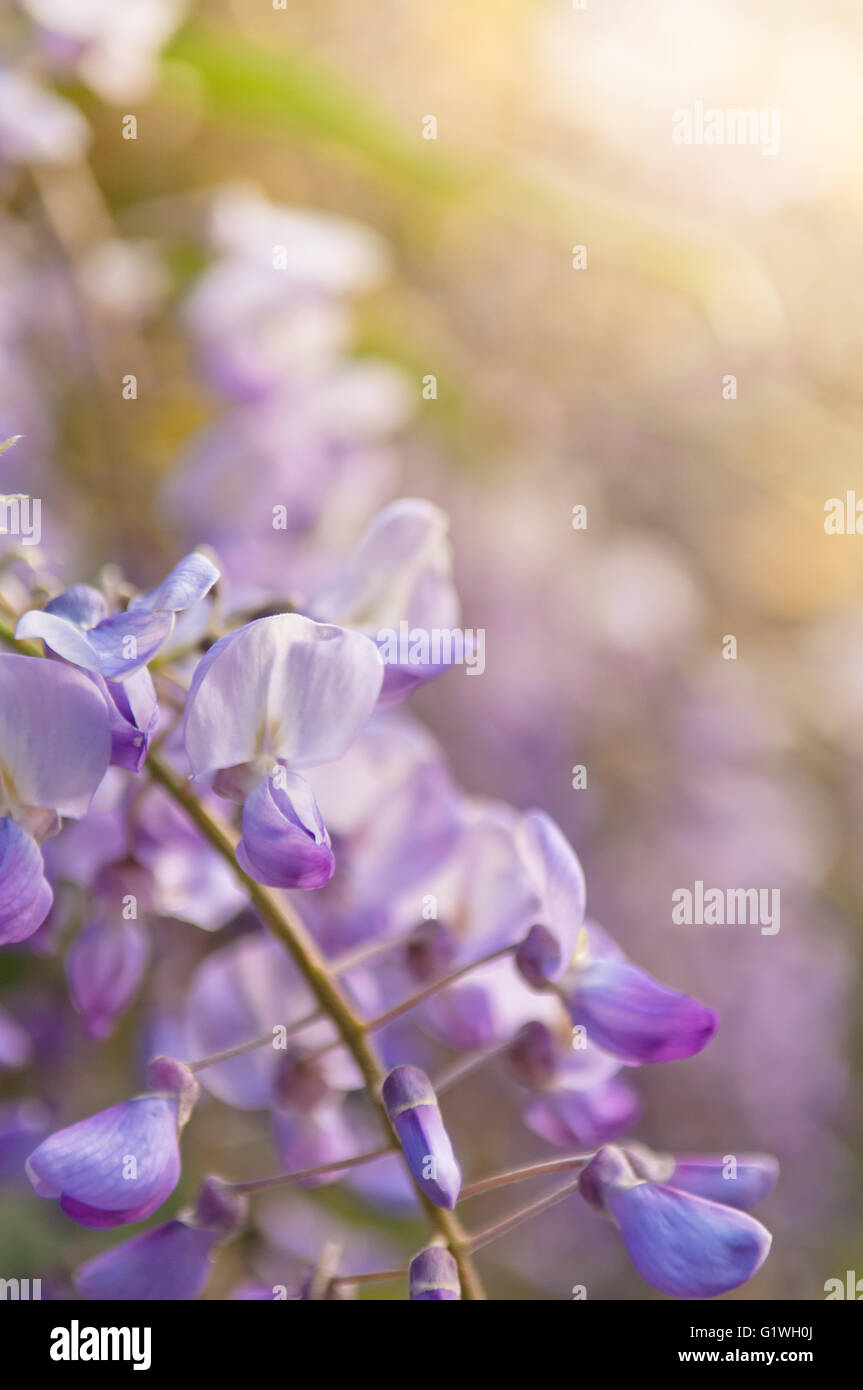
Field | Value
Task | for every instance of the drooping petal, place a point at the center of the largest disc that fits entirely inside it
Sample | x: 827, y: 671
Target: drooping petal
x: 740, y: 1182
x: 558, y: 880
x: 628, y: 1013
x: 25, y: 894
x: 284, y: 842
x: 686, y: 1246
x: 189, y: 581
x: 61, y: 634
x: 54, y: 736
x: 414, y: 1114
x: 114, y: 1167
x: 134, y: 715
x: 284, y: 688
x: 104, y: 966
x: 172, y: 1263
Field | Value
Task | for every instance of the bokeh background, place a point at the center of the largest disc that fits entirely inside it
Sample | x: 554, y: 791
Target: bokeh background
x: 555, y: 387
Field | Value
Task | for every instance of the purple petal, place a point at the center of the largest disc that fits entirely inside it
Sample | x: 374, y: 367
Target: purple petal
x: 558, y: 880
x: 742, y: 1184
x: 283, y: 688
x: 25, y: 894
x: 59, y: 633
x: 685, y: 1246
x: 172, y: 1263
x: 81, y: 605
x: 309, y: 1139
x: 284, y: 842
x: 104, y: 967
x: 53, y: 732
x: 15, y: 1045
x: 134, y: 716
x: 114, y: 1167
x: 584, y: 1118
x: 400, y: 571
x: 126, y: 642
x: 627, y: 1012
x: 188, y: 582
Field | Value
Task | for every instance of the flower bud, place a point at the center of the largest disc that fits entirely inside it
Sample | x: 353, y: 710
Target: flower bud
x: 531, y: 1055
x: 430, y: 951
x: 166, y: 1074
x: 219, y: 1208
x: 433, y: 1275
x: 412, y: 1107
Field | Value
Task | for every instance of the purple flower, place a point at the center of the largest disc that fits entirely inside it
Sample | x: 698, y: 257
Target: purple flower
x: 433, y: 1275
x: 285, y: 843
x: 681, y: 1244
x: 120, y: 1165
x: 558, y: 880
x: 578, y: 1098
x: 414, y: 1114
x: 171, y: 1262
x: 77, y: 627
x: 280, y: 694
x: 54, y: 749
x: 400, y: 575
x: 628, y: 1012
x: 104, y: 966
x: 242, y: 992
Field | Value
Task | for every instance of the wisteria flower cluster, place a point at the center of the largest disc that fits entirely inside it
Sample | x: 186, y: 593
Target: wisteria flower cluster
x: 267, y: 771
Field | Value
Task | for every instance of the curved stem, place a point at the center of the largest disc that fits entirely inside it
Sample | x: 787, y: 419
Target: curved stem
x: 509, y: 1223
x: 531, y: 1170
x: 259, y: 1184
x: 287, y: 928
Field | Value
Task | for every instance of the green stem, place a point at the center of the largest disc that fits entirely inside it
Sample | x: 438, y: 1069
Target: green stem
x: 287, y: 928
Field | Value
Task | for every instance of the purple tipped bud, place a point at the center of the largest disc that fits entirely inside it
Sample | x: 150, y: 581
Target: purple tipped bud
x: 301, y: 1082
x: 531, y: 1056
x: 538, y: 957
x: 413, y: 1111
x: 433, y: 1275
x: 104, y: 967
x: 219, y: 1208
x: 167, y: 1075
x: 430, y: 951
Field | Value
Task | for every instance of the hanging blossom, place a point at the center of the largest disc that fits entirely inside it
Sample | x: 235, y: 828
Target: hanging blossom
x: 507, y: 967
x: 279, y: 695
x: 114, y: 649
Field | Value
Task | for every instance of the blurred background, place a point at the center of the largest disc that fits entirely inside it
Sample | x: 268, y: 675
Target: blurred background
x: 463, y: 350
